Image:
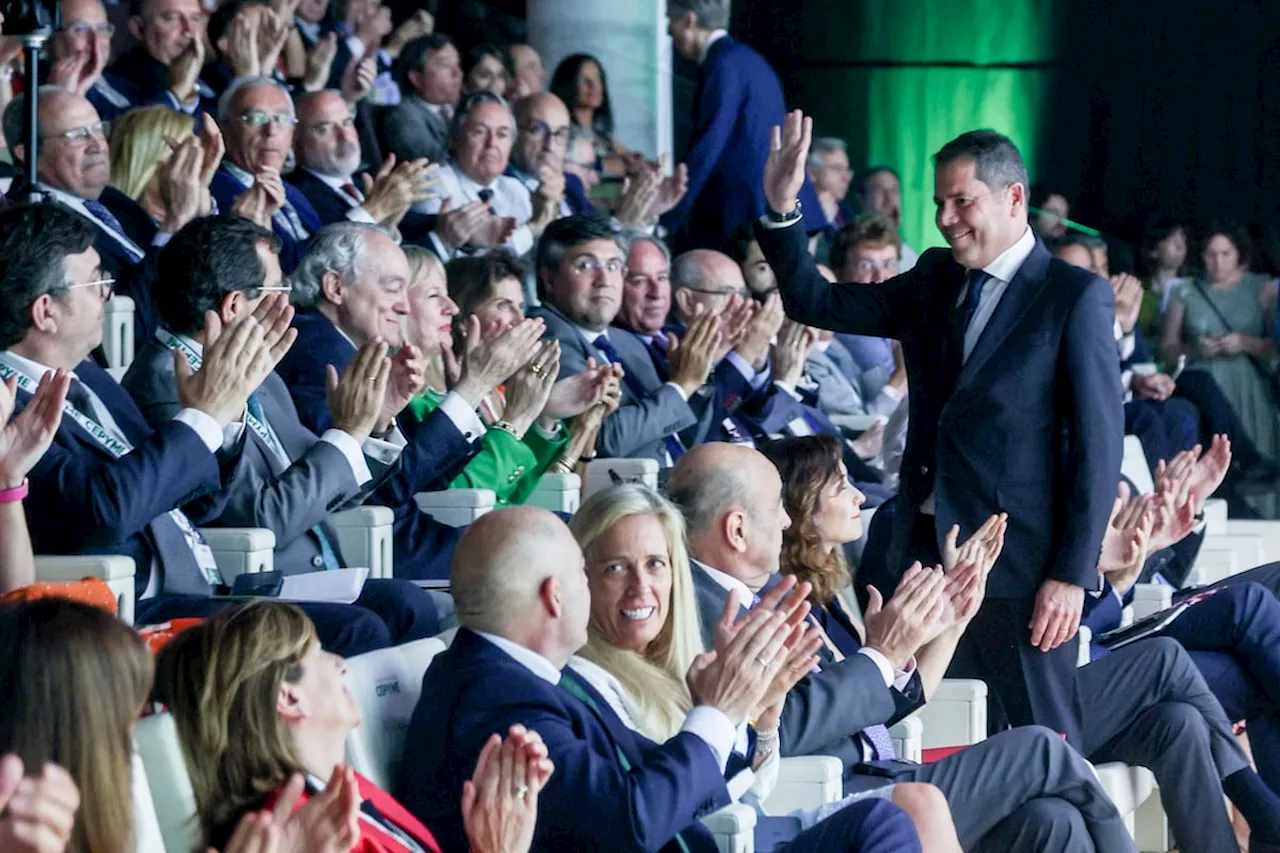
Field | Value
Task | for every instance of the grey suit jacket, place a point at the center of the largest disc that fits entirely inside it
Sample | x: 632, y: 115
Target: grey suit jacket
x: 827, y: 710
x: 639, y: 426
x: 840, y: 385
x: 262, y: 492
x: 413, y: 130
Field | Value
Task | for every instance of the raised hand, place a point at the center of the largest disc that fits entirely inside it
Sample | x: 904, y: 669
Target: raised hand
x: 1128, y: 294
x: 764, y: 325
x: 356, y: 400
x: 329, y: 822
x: 184, y: 70
x: 243, y: 53
x: 24, y: 439
x: 420, y: 23
x: 273, y: 33
x: 357, y: 79
x: 486, y: 364
x: 573, y: 395
x: 500, y: 800
x: 800, y: 661
x: 735, y: 676
x: 671, y: 190
x: 456, y: 227
x: 408, y: 378
x: 784, y: 171
x: 691, y: 358
x: 212, y: 147
x: 256, y: 832
x: 494, y: 231
x: 275, y: 315
x: 67, y: 72
x: 913, y: 617
x: 320, y: 63
x: 236, y: 361
x: 37, y: 813
x: 637, y: 200
x: 396, y: 188
x: 789, y: 354
x: 181, y: 192
x: 1210, y: 470
x: 529, y: 388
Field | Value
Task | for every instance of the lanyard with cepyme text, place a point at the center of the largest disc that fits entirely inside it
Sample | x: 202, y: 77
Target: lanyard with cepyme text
x: 194, y: 359
x: 113, y: 444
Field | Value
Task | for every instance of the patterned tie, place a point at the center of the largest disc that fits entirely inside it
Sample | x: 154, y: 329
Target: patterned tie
x: 327, y: 551
x: 602, y: 343
x: 107, y: 218
x: 570, y: 684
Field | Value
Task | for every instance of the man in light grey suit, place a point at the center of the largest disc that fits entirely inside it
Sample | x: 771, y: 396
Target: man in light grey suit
x: 284, y: 478
x: 429, y: 72
x: 579, y: 265
x: 1025, y: 789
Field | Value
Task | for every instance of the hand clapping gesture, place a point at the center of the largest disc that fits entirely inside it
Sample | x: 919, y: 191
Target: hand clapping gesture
x: 24, y: 439
x: 500, y: 801
x: 37, y: 813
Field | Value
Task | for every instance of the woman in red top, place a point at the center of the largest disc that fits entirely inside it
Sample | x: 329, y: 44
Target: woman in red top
x: 263, y: 713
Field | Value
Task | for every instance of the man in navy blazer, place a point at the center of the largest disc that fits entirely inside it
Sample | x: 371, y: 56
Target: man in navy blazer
x: 1014, y: 407
x: 739, y: 99
x: 257, y: 117
x: 164, y: 68
x: 522, y: 595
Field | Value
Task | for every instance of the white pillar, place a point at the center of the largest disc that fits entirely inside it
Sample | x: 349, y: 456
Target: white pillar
x: 629, y: 37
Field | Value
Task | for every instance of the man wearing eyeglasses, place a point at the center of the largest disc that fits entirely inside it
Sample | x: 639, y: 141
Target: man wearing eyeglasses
x: 165, y: 66
x: 327, y: 146
x: 257, y: 119
x: 542, y: 121
x: 81, y: 50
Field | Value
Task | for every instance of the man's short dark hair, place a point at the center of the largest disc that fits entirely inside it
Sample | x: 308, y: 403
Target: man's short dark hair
x: 864, y: 177
x: 568, y: 233
x: 471, y: 280
x: 222, y: 17
x: 996, y: 160
x: 711, y: 14
x: 414, y: 56
x: 35, y: 240
x: 869, y: 229
x: 1041, y: 191
x: 469, y: 103
x: 209, y: 258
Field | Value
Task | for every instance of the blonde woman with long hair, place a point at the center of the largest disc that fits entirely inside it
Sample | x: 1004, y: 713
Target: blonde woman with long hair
x: 147, y: 143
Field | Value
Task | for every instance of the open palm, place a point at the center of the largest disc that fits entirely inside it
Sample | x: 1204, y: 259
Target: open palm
x: 25, y: 438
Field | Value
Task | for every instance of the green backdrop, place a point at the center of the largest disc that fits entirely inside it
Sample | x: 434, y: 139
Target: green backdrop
x: 898, y: 78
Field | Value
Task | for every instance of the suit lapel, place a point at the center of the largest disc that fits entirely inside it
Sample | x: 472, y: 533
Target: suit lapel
x: 1022, y: 293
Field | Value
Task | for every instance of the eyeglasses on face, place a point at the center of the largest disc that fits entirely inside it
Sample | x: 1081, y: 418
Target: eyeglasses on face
x: 540, y: 130
x: 741, y: 291
x: 589, y: 264
x: 106, y: 286
x: 889, y: 265
x: 257, y: 119
x: 326, y: 128
x: 80, y: 134
x: 80, y: 30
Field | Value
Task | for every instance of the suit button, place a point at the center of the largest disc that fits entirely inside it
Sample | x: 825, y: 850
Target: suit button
x: 924, y: 470
x: 317, y: 561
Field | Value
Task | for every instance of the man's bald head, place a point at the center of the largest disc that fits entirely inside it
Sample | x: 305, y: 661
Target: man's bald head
x: 731, y: 497
x: 707, y: 278
x: 543, y: 121
x: 508, y: 567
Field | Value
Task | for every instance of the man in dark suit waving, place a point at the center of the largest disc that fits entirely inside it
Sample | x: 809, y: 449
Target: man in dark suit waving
x: 1015, y: 406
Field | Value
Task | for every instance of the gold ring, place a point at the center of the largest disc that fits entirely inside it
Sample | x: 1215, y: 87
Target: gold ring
x: 537, y: 369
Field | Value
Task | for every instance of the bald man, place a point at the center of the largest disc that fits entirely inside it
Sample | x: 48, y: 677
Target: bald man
x: 542, y: 122
x: 523, y: 601
x: 1145, y: 704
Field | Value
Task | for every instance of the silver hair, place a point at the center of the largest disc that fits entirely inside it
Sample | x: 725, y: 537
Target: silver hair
x: 340, y: 248
x: 686, y: 271
x: 712, y: 14
x: 824, y: 145
x: 705, y: 498
x: 470, y: 102
x: 228, y: 98
x: 631, y: 236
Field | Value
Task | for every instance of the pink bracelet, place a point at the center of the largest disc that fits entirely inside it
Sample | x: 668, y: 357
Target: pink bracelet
x: 8, y: 496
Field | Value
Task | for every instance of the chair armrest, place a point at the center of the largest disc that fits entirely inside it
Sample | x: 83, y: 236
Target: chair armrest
x: 1086, y: 637
x: 241, y: 550
x: 1150, y: 598
x: 1215, y: 562
x: 805, y: 782
x: 734, y: 828
x: 365, y: 538
x: 956, y: 714
x: 908, y: 738
x: 1215, y: 516
x: 117, y: 337
x: 558, y: 493
x: 116, y: 571
x: 456, y: 507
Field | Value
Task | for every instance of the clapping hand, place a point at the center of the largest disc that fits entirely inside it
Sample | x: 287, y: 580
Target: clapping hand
x: 500, y: 800
x: 1127, y: 539
x: 357, y: 79
x: 765, y: 323
x: 1210, y: 470
x: 37, y: 813
x: 914, y: 617
x: 356, y: 400
x: 969, y: 565
x: 397, y: 187
x: 573, y: 395
x: 795, y: 341
x: 25, y: 438
x: 406, y: 381
x: 736, y: 675
x: 529, y: 387
x: 320, y: 63
x: 486, y: 364
x: 784, y: 171
x: 691, y: 357
x: 185, y: 69
x: 275, y: 315
x: 1128, y: 295
x: 329, y: 821
x: 236, y: 361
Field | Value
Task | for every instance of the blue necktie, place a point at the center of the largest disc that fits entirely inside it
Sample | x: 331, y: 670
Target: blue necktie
x: 602, y: 343
x: 107, y: 218
x: 976, y: 280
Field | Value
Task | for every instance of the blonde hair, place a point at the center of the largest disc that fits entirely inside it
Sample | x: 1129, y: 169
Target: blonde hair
x: 138, y: 145
x: 422, y: 262
x: 655, y: 681
x: 221, y: 680
x: 74, y: 679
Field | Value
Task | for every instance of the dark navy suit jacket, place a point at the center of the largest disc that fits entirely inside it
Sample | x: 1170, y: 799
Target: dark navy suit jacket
x: 331, y: 206
x: 436, y: 452
x: 1031, y: 424
x: 85, y: 501
x: 738, y: 102
x: 149, y: 79
x: 226, y: 189
x: 474, y: 689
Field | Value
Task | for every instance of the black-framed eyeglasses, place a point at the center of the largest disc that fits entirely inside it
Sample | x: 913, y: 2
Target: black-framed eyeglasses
x: 542, y: 131
x: 742, y: 291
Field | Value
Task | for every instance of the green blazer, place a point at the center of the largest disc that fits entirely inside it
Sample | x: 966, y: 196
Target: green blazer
x: 505, y: 464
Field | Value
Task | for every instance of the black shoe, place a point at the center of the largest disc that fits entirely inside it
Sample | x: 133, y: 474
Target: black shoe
x: 1260, y: 478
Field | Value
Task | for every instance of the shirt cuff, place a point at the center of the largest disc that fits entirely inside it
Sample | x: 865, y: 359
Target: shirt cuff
x: 346, y: 444
x: 356, y: 46
x: 522, y: 240
x: 790, y: 390
x: 552, y: 434
x: 161, y: 239
x: 713, y: 728
x: 774, y: 226
x: 463, y: 416
x: 679, y: 390
x: 897, y: 395
x: 231, y: 434
x: 442, y: 250
x: 205, y: 427
x: 902, y: 677
x: 749, y: 373
x: 359, y: 214
x: 887, y: 672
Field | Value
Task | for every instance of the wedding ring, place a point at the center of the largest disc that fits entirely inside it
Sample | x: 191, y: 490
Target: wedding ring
x: 537, y: 369
x: 762, y: 662
x: 521, y: 790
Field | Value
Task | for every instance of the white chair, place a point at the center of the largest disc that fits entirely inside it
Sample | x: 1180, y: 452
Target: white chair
x: 456, y: 507
x: 1267, y: 531
x: 386, y: 684
x: 956, y: 713
x: 558, y: 493
x: 908, y: 739
x: 1149, y: 598
x: 146, y: 825
x: 365, y: 538
x: 156, y: 739
x: 115, y: 570
x: 805, y: 782
x: 603, y: 473
x: 1134, y: 467
x: 241, y: 550
x: 117, y: 331
x: 734, y: 828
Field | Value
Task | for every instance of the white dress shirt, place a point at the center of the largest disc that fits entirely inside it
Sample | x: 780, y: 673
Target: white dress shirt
x: 708, y: 724
x: 340, y: 186
x: 715, y: 36
x: 1002, y: 270
x: 510, y: 198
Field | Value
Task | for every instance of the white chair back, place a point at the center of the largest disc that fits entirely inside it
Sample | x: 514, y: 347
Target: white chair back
x: 1133, y: 466
x: 386, y: 684
x: 146, y: 827
x: 603, y: 473
x: 171, y: 791
x: 117, y: 332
